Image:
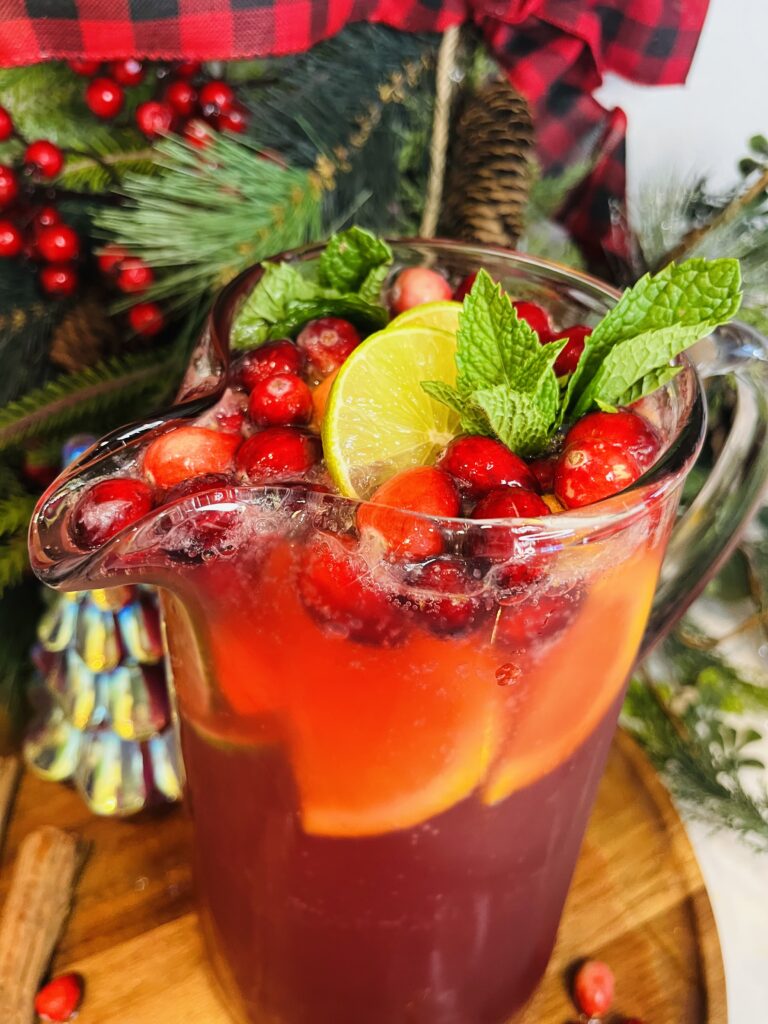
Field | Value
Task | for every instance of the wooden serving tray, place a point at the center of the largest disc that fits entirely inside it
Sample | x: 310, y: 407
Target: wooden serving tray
x: 638, y: 901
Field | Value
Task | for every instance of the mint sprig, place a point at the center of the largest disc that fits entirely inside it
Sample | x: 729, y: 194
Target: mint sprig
x: 505, y: 382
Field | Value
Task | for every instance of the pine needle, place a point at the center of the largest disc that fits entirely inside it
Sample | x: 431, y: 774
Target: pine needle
x: 14, y: 561
x: 15, y: 513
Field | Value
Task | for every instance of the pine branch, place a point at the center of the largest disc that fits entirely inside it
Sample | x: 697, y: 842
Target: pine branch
x: 15, y: 513
x: 14, y: 560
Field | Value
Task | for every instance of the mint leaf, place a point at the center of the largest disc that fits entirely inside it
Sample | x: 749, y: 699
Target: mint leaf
x: 364, y: 315
x: 647, y: 385
x: 268, y: 303
x: 653, y: 322
x: 351, y: 258
x: 444, y: 393
x: 515, y: 417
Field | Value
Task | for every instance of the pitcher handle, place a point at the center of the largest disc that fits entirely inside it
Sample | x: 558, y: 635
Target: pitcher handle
x: 710, y: 528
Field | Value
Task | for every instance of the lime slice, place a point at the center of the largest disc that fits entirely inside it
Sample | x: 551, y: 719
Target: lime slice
x: 379, y: 419
x: 442, y: 315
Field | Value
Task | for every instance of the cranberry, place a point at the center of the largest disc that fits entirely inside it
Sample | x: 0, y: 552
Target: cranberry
x: 591, y: 470
x: 510, y: 503
x: 216, y: 96
x: 544, y: 471
x: 336, y: 588
x: 60, y: 998
x: 197, y: 133
x: 45, y: 217
x: 280, y: 400
x: 128, y: 71
x: 59, y: 280
x: 415, y: 286
x: 464, y: 287
x: 106, y: 508
x: 397, y: 511
x: 274, y: 357
x: 233, y: 120
x: 502, y: 543
x: 105, y: 97
x: 479, y: 464
x: 154, y: 118
x: 84, y: 67
x: 327, y: 342
x: 569, y: 358
x: 134, y: 275
x: 146, y: 319
x: 535, y: 316
x: 11, y: 239
x: 623, y: 428
x: 181, y: 97
x: 446, y: 603
x: 57, y: 243
x: 9, y: 185
x: 526, y: 623
x: 110, y: 258
x: 593, y: 988
x: 198, y: 485
x: 277, y: 455
x: 187, y: 68
x: 187, y: 452
x: 6, y: 125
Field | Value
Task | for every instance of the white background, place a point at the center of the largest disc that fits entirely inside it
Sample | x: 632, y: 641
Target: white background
x: 703, y: 127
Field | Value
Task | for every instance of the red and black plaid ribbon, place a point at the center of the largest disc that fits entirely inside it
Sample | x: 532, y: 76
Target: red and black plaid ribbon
x: 554, y: 51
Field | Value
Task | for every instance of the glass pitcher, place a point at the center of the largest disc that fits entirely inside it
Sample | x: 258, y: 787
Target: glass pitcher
x: 389, y: 794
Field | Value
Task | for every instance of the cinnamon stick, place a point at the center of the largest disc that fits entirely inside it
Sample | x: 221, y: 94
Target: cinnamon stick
x: 35, y: 910
x: 10, y: 769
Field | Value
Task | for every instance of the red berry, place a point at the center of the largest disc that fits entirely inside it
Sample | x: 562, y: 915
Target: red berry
x: 479, y: 464
x: 197, y: 133
x: 443, y: 595
x: 510, y: 503
x: 275, y: 357
x: 415, y: 286
x: 216, y: 96
x: 45, y: 217
x: 535, y: 316
x: 197, y: 485
x: 569, y: 358
x: 504, y: 543
x: 6, y: 125
x: 181, y: 97
x: 593, y: 988
x: 58, y: 243
x: 525, y: 624
x: 423, y: 490
x: 60, y: 998
x: 134, y: 275
x: 623, y: 428
x: 327, y: 342
x: 105, y: 97
x: 128, y: 71
x: 463, y: 288
x: 187, y: 452
x: 276, y: 455
x: 59, y: 280
x: 9, y: 185
x: 110, y: 258
x: 84, y: 67
x: 233, y: 120
x: 146, y: 319
x: 154, y: 118
x: 11, y: 239
x: 106, y: 508
x: 544, y: 471
x: 187, y: 68
x: 336, y: 587
x: 591, y: 470
x: 280, y: 401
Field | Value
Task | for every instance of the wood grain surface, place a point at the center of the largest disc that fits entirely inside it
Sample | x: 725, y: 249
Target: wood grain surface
x: 638, y: 901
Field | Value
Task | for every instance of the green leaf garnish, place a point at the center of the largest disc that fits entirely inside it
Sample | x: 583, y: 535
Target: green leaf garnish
x: 349, y: 260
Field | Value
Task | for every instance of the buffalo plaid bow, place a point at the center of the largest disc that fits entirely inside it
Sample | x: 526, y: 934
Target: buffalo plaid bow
x: 554, y: 51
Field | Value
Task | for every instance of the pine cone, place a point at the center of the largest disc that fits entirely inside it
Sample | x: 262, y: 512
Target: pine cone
x: 489, y: 167
x: 84, y: 335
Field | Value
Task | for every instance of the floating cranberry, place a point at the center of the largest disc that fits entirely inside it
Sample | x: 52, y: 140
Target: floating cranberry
x: 154, y: 118
x: 280, y: 400
x: 398, y: 512
x: 509, y: 503
x: 464, y: 287
x: 593, y: 988
x: 276, y: 455
x: 479, y: 464
x: 216, y: 97
x: 446, y: 603
x: 274, y: 357
x: 105, y: 97
x: 181, y: 97
x: 544, y: 472
x: 327, y: 342
x: 9, y: 186
x: 522, y: 565
x: 187, y: 68
x: 233, y: 120
x: 134, y: 275
x: 535, y: 316
x: 416, y: 285
x: 59, y: 280
x: 569, y: 358
x: 591, y: 470
x: 146, y: 319
x: 128, y: 71
x: 198, y: 485
x: 45, y: 217
x: 623, y: 428
x: 84, y: 67
x: 58, y: 243
x: 11, y: 239
x: 60, y: 998
x: 526, y: 623
x: 106, y: 508
x: 6, y: 125
x: 187, y: 452
x: 335, y: 586
x: 111, y: 258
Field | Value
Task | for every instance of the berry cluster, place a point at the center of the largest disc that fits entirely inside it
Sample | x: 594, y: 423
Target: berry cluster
x: 132, y: 276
